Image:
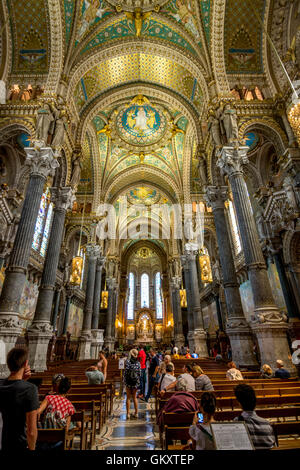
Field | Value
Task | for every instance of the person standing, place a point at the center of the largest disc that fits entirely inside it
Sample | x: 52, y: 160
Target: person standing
x: 132, y: 380
x: 153, y: 373
x: 142, y: 360
x: 19, y: 403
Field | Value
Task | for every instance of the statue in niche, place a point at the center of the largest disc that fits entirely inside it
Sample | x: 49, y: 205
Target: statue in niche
x: 2, y: 92
x: 260, y: 224
x: 14, y: 93
x: 229, y: 119
x: 201, y: 166
x: 76, y: 169
x: 43, y: 123
x: 60, y: 128
x: 214, y: 128
x: 216, y: 271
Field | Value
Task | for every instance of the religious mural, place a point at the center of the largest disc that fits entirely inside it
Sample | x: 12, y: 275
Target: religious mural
x: 28, y: 302
x: 183, y: 11
x: 276, y: 287
x: 75, y: 321
x: 92, y: 11
x: 210, y: 318
x: 247, y: 300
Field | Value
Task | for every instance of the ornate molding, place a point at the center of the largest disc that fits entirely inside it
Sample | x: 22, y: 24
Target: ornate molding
x: 232, y: 159
x: 41, y: 162
x: 57, y: 46
x: 217, y: 47
x: 216, y: 196
x: 63, y: 198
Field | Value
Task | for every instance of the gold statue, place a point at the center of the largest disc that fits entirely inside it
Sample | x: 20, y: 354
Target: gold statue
x: 142, y: 157
x: 139, y: 18
x: 175, y: 129
x: 106, y: 129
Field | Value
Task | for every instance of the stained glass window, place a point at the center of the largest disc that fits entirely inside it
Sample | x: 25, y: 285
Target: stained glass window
x: 145, y: 290
x: 235, y: 230
x: 43, y: 224
x: 158, y: 300
x: 46, y: 230
x: 130, y: 305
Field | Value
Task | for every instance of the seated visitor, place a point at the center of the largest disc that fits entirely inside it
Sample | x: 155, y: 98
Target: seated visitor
x: 233, y: 373
x: 280, y: 372
x: 175, y: 353
x: 55, y: 383
x: 202, y: 381
x: 19, y: 403
x: 201, y: 432
x: 56, y: 410
x: 102, y: 364
x: 181, y: 401
x: 188, y: 354
x: 163, y: 364
x: 260, y: 430
x: 219, y: 357
x: 187, y: 375
x: 195, y: 355
x: 167, y: 377
x: 132, y: 377
x: 94, y: 376
x: 266, y: 372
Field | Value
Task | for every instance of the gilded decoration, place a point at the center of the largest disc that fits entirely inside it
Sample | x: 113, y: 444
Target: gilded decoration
x: 140, y: 123
x: 137, y: 67
x: 243, y: 36
x: 91, y: 12
x: 184, y: 11
x: 29, y: 26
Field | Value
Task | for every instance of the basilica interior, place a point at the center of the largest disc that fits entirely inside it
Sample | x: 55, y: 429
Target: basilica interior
x: 150, y: 177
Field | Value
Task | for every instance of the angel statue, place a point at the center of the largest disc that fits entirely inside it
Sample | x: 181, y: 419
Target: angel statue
x: 76, y: 169
x: 201, y: 166
x: 214, y: 128
x: 43, y: 122
x: 229, y: 119
x: 139, y: 20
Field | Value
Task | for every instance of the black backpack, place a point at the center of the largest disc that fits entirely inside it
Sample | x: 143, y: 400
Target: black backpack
x: 132, y: 376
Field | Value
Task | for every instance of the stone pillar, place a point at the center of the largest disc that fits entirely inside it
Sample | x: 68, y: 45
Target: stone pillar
x: 86, y: 336
x: 269, y: 325
x: 199, y: 335
x: 67, y: 312
x: 177, y: 314
x: 237, y: 326
x: 56, y: 308
x: 42, y: 164
x: 189, y: 298
x: 40, y: 331
x: 109, y: 340
x: 97, y: 334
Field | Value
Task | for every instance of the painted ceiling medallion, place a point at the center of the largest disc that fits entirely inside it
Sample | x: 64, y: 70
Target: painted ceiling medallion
x: 140, y: 123
x: 143, y: 195
x: 131, y: 5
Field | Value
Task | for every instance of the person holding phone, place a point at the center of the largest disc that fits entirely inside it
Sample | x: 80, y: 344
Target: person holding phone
x: 200, y: 431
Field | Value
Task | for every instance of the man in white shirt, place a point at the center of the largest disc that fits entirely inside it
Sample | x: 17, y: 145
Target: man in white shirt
x: 188, y: 378
x: 168, y: 377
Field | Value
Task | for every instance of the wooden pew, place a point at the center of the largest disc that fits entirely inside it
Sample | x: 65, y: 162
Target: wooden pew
x: 175, y: 434
x: 56, y: 435
x: 284, y: 430
x: 84, y: 432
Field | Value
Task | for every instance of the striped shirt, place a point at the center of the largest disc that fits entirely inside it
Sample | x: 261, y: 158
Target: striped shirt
x: 260, y: 430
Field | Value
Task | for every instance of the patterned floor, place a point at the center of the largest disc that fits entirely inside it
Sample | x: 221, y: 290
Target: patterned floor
x: 120, y: 433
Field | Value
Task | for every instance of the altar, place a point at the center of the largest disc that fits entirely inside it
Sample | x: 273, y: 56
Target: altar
x: 145, y: 329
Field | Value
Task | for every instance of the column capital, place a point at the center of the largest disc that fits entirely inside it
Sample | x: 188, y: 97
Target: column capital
x: 93, y: 251
x: 100, y: 263
x: 191, y: 251
x: 41, y: 161
x: 111, y: 283
x: 175, y: 283
x: 232, y: 158
x: 63, y: 198
x: 216, y: 196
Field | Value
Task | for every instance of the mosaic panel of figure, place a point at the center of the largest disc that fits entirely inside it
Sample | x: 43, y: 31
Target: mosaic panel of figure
x: 276, y: 287
x: 28, y: 302
x: 247, y: 300
x: 92, y: 11
x: 75, y: 321
x: 210, y: 318
x: 183, y: 11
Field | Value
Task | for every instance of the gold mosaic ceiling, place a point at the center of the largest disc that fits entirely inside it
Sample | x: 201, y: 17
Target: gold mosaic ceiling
x: 133, y: 68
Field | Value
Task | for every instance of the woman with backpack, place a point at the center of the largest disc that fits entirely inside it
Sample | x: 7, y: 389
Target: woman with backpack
x: 132, y: 377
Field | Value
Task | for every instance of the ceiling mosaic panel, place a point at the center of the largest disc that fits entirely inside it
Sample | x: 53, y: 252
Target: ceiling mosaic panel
x: 184, y: 12
x: 205, y: 14
x: 143, y: 195
x: 243, y: 36
x: 86, y: 177
x: 141, y: 124
x: 137, y: 67
x: 69, y: 6
x: 92, y: 11
x: 29, y: 25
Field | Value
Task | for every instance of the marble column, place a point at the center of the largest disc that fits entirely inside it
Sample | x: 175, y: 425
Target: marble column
x: 40, y: 331
x: 237, y: 326
x: 41, y: 164
x: 56, y: 308
x: 199, y: 335
x: 177, y: 314
x: 109, y: 340
x: 190, y: 318
x: 85, y: 339
x: 67, y: 312
x: 269, y: 325
x: 97, y: 334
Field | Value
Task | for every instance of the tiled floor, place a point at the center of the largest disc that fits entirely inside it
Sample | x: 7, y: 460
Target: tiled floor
x: 120, y: 433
